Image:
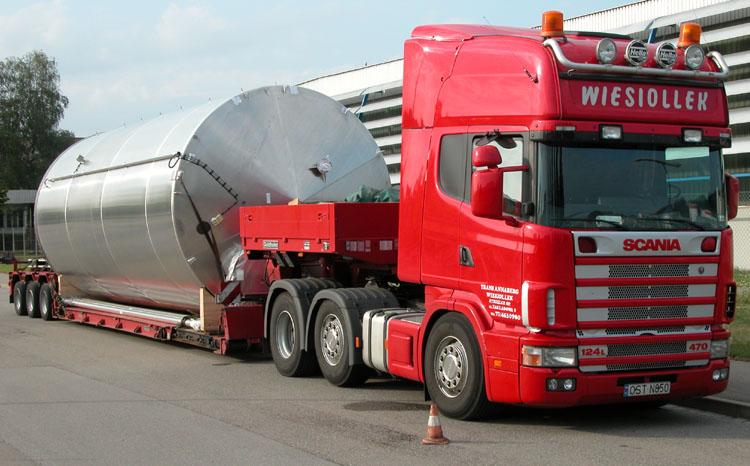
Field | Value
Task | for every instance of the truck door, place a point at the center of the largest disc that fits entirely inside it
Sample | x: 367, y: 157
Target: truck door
x: 444, y: 192
x: 491, y: 250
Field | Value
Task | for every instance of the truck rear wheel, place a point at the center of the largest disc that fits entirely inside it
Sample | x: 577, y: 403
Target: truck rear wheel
x: 45, y: 302
x: 332, y: 348
x: 32, y: 299
x: 454, y: 372
x: 287, y: 335
x: 19, y: 298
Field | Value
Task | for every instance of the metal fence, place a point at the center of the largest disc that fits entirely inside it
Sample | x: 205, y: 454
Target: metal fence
x: 17, y: 236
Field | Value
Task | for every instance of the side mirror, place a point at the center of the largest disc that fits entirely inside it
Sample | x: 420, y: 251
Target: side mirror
x: 733, y: 195
x: 486, y: 156
x: 487, y: 185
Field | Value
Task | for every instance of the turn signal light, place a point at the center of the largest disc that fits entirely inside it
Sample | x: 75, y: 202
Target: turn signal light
x: 552, y: 24
x: 690, y: 34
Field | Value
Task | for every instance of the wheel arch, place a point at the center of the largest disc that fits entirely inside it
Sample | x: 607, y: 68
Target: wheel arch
x: 472, y: 314
x: 302, y: 291
x: 354, y: 302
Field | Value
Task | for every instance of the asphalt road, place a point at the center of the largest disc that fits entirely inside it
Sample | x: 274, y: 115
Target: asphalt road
x: 74, y: 394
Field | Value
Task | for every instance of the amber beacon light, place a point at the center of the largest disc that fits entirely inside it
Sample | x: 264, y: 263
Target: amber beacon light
x: 690, y: 34
x: 552, y: 24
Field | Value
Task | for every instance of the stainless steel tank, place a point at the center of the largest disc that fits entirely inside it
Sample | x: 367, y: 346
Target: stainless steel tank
x: 149, y: 214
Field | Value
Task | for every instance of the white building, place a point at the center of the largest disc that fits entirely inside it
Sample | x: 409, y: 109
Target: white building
x: 374, y: 92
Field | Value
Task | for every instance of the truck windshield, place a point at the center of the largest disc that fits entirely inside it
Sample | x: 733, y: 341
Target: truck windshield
x: 654, y: 188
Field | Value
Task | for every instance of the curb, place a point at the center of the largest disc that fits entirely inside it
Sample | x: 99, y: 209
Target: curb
x: 717, y: 405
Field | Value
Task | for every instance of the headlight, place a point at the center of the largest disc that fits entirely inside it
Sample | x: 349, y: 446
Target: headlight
x: 549, y: 356
x: 720, y: 348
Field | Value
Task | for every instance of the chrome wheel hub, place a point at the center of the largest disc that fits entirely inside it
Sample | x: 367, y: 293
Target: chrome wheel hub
x: 331, y: 340
x: 285, y: 334
x: 451, y: 366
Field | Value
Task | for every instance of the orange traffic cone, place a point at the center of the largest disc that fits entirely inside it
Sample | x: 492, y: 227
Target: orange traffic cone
x: 434, y: 431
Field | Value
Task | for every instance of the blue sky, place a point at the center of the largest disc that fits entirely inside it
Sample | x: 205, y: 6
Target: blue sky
x: 123, y: 61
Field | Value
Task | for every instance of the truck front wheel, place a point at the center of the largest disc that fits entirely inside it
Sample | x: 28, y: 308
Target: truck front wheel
x: 287, y: 335
x: 454, y: 372
x: 19, y: 297
x: 332, y: 348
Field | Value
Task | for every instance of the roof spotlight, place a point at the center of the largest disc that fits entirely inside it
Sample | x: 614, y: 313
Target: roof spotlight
x: 606, y: 51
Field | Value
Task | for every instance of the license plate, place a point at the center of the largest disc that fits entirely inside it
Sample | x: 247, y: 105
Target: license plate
x: 646, y: 389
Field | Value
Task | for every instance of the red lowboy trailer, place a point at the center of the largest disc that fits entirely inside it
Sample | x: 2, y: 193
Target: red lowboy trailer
x: 561, y: 237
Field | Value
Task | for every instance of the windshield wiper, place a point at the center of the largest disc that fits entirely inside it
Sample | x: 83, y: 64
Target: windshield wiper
x: 676, y: 220
x: 660, y: 162
x: 619, y: 226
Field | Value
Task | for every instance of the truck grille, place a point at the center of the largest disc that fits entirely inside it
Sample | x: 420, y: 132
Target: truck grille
x: 648, y: 270
x: 646, y: 349
x: 640, y: 331
x: 647, y: 312
x: 641, y: 292
x: 620, y: 336
x: 645, y: 366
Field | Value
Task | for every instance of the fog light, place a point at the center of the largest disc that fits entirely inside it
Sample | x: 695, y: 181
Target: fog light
x: 561, y: 385
x: 721, y: 374
x: 610, y: 132
x: 692, y: 135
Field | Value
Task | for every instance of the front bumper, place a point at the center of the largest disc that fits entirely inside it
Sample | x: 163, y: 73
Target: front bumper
x: 608, y: 388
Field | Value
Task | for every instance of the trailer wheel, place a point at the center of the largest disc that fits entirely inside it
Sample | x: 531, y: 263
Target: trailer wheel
x: 45, y: 302
x: 332, y: 348
x: 287, y: 335
x: 32, y: 299
x: 454, y: 372
x: 19, y: 297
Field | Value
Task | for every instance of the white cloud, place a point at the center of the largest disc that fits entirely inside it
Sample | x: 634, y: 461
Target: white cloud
x: 40, y: 25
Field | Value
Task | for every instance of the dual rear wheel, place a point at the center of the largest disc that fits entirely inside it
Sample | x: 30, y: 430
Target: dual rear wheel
x: 331, y: 352
x: 454, y: 370
x: 33, y: 299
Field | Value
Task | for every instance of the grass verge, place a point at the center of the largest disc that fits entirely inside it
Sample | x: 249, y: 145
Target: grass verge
x: 740, y: 328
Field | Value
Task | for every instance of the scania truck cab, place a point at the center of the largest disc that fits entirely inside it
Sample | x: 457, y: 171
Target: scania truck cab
x: 573, y: 208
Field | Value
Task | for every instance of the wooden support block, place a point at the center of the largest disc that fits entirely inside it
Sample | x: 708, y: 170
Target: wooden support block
x: 66, y: 288
x: 210, y: 312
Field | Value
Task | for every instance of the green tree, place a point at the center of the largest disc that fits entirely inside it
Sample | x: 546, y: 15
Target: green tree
x: 31, y: 107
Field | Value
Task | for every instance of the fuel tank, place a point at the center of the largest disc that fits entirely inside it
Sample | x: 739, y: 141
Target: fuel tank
x: 148, y: 214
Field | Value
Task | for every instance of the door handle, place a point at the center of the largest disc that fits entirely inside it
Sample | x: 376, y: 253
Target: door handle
x: 464, y: 256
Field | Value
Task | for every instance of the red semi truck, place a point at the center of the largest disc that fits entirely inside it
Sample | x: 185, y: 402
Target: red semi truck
x: 561, y: 237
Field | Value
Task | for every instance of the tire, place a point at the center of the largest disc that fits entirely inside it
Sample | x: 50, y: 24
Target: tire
x: 453, y: 369
x: 32, y: 300
x: 45, y: 302
x: 287, y: 335
x: 332, y: 348
x: 19, y: 298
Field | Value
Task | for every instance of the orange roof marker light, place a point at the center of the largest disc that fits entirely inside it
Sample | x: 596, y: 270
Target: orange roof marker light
x: 690, y: 34
x: 552, y: 24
